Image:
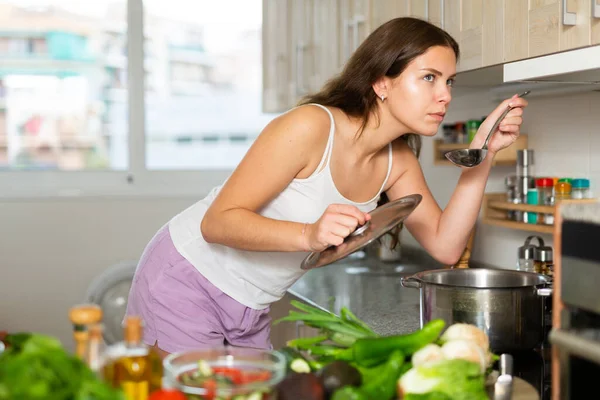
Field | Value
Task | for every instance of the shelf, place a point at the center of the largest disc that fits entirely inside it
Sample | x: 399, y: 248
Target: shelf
x: 522, y: 226
x: 495, y: 209
x: 505, y: 157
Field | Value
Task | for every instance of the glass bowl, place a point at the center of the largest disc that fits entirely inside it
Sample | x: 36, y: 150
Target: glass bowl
x: 269, y: 364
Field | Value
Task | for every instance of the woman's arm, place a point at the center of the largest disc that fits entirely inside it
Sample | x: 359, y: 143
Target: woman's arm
x: 445, y: 234
x: 290, y: 146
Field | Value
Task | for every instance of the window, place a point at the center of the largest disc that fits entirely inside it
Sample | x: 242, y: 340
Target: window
x: 127, y: 96
x: 57, y: 71
x: 203, y: 97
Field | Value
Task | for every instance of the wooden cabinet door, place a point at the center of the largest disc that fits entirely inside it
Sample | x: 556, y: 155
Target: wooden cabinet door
x: 352, y: 27
x: 544, y: 27
x: 326, y: 29
x: 418, y: 8
x: 595, y: 7
x: 516, y: 19
x: 383, y: 11
x: 429, y: 10
x: 435, y: 12
x: 302, y: 50
x: 276, y: 58
x: 451, y: 18
x: 470, y: 37
x: 492, y: 30
x: 576, y: 24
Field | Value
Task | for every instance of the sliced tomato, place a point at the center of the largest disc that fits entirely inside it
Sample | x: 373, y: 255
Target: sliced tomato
x: 234, y: 374
x: 167, y: 394
x: 256, y: 376
x: 210, y: 385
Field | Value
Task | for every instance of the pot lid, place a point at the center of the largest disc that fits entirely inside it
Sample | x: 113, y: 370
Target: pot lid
x: 383, y: 219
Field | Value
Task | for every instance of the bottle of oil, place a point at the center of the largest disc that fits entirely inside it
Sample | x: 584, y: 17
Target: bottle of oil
x: 95, y: 349
x: 132, y: 365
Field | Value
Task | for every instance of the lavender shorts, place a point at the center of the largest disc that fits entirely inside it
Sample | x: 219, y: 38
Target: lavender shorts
x: 182, y: 310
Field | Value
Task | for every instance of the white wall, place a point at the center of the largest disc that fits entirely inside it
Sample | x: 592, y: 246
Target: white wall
x: 565, y: 135
x: 52, y: 248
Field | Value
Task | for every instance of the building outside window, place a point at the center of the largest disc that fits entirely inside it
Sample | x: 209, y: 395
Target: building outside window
x: 65, y: 90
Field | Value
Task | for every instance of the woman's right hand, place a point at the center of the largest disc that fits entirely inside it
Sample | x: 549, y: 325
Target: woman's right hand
x: 337, y: 222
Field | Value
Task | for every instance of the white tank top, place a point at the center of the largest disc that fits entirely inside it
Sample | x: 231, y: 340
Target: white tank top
x: 257, y: 279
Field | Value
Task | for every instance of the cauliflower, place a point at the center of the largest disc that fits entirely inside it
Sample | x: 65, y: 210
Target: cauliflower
x: 465, y: 350
x: 467, y: 332
x: 429, y: 353
x: 446, y: 379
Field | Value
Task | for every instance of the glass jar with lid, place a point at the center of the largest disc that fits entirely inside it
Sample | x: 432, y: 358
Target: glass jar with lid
x: 526, y: 254
x: 545, y: 187
x: 562, y: 191
x: 543, y: 259
x: 580, y: 189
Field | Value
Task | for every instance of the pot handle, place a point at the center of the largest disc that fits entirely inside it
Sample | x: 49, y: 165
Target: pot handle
x: 410, y: 282
x: 544, y: 292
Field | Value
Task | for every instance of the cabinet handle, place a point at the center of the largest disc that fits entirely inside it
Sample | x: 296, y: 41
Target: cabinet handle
x: 568, y: 17
x: 349, y: 26
x: 595, y: 9
x: 357, y: 21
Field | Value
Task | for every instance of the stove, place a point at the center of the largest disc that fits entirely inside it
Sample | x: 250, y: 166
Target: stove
x: 535, y: 367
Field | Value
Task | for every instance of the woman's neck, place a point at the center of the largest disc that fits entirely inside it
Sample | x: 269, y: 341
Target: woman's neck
x: 381, y: 130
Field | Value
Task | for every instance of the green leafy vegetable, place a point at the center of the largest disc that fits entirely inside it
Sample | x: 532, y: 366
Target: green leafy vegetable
x: 36, y: 367
x: 454, y: 379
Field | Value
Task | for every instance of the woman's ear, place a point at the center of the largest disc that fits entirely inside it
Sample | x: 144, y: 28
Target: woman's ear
x: 380, y: 87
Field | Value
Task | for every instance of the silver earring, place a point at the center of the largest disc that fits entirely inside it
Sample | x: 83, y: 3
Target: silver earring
x: 382, y: 97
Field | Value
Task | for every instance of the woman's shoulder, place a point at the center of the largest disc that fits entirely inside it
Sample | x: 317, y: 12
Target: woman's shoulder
x: 306, y: 122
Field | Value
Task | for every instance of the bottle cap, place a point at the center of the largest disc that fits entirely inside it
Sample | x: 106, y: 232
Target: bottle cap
x: 85, y: 314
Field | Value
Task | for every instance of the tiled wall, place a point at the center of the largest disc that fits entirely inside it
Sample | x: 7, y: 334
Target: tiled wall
x: 563, y: 130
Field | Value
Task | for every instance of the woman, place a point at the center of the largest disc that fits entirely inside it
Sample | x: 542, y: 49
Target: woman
x: 311, y: 177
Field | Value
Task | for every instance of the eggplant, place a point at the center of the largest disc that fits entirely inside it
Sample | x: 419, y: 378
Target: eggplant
x: 296, y: 386
x: 337, y: 375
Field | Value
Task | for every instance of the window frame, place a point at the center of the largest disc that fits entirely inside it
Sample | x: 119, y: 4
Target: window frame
x: 137, y: 179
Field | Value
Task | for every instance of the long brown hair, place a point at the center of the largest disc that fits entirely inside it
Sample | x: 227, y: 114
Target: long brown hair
x: 387, y: 51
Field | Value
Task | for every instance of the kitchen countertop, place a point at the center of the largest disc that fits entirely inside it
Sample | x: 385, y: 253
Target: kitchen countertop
x: 376, y: 296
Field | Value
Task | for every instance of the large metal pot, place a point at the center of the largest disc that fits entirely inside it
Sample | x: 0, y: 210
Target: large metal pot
x: 508, y: 305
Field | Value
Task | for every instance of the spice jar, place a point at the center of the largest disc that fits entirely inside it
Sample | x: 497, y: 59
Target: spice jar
x: 545, y: 187
x: 526, y: 254
x: 543, y: 259
x: 562, y: 191
x: 580, y: 189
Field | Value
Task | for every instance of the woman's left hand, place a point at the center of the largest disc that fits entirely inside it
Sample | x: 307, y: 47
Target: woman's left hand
x: 508, y: 130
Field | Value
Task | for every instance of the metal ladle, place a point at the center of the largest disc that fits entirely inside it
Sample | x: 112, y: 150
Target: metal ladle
x: 473, y: 157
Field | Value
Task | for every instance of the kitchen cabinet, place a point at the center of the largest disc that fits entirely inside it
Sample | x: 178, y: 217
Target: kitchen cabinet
x: 595, y: 8
x: 275, y: 55
x: 307, y: 42
x: 358, y: 18
x: 478, y: 27
x: 559, y: 25
x: 326, y: 22
x: 301, y: 55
